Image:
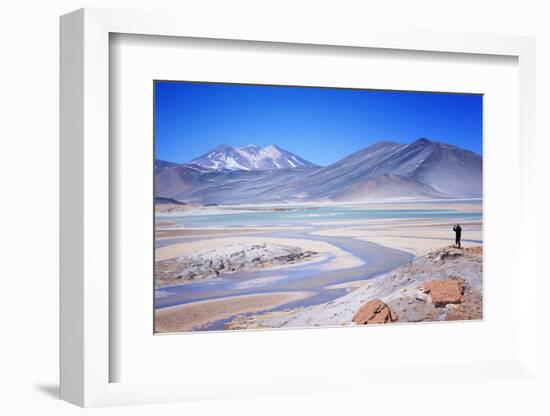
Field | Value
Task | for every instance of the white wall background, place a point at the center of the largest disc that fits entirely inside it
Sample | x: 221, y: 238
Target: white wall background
x: 29, y: 208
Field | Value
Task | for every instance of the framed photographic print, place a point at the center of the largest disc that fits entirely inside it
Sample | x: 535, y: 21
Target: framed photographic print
x: 246, y: 212
x: 343, y: 229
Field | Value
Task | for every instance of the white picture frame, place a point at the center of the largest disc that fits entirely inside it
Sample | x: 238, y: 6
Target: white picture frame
x: 86, y: 356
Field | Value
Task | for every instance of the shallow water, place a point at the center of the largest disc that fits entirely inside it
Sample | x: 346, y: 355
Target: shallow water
x: 314, y: 215
x: 300, y: 277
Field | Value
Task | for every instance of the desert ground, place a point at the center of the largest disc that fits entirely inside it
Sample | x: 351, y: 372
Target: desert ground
x: 303, y: 265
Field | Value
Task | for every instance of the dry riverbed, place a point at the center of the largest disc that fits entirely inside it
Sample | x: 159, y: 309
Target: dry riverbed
x: 233, y: 249
x: 413, y: 236
x: 194, y: 315
x: 211, y: 262
x: 182, y: 262
x: 404, y: 291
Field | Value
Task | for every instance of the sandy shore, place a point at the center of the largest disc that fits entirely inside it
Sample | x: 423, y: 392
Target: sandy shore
x: 460, y: 205
x: 194, y: 315
x: 164, y: 223
x: 415, y: 237
x: 165, y: 233
x: 420, y: 205
x: 349, y: 286
x: 399, y: 289
x: 339, y: 259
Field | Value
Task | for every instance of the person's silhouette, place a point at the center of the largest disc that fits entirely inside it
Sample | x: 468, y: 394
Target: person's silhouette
x: 458, y: 233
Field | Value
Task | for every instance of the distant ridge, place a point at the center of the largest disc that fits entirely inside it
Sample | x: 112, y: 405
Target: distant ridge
x: 385, y: 170
x: 163, y: 200
x: 160, y: 164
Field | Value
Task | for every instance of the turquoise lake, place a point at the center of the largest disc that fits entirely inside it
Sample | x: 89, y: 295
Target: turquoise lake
x: 305, y: 215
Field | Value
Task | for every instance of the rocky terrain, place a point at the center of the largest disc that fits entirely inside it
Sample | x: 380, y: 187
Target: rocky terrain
x: 445, y: 284
x: 210, y: 263
x: 166, y: 206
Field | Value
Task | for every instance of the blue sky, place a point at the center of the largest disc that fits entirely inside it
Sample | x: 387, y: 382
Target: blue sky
x: 321, y: 125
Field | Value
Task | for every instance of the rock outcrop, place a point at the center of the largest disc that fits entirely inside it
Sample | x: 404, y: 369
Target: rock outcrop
x: 427, y: 289
x: 213, y: 262
x: 444, y: 291
x: 373, y: 312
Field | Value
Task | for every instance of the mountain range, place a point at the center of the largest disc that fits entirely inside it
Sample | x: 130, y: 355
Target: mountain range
x: 251, y: 157
x: 385, y: 170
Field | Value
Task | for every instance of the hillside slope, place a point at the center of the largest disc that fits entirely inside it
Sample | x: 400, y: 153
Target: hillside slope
x: 385, y: 170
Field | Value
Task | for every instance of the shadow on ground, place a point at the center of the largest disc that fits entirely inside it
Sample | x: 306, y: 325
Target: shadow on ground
x: 51, y: 390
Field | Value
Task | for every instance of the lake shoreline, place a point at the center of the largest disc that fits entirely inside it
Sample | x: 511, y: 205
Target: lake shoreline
x: 380, y: 244
x: 192, y: 316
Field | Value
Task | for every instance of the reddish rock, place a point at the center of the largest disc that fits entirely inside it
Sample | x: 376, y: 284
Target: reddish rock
x: 475, y: 251
x: 373, y: 312
x: 445, y: 291
x: 470, y: 308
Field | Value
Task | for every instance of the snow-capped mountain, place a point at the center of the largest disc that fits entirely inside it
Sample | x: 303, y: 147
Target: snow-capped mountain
x: 386, y: 170
x: 251, y: 157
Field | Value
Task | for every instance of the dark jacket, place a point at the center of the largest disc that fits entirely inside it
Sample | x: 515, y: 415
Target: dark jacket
x: 457, y: 230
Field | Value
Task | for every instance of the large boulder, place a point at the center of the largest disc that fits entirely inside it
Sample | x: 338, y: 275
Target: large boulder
x: 444, y: 291
x: 373, y: 312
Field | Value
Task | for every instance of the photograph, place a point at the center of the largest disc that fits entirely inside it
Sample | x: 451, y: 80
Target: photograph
x: 281, y: 206
x: 248, y: 208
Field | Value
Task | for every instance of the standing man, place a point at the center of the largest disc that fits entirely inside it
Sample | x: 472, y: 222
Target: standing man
x: 458, y: 233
